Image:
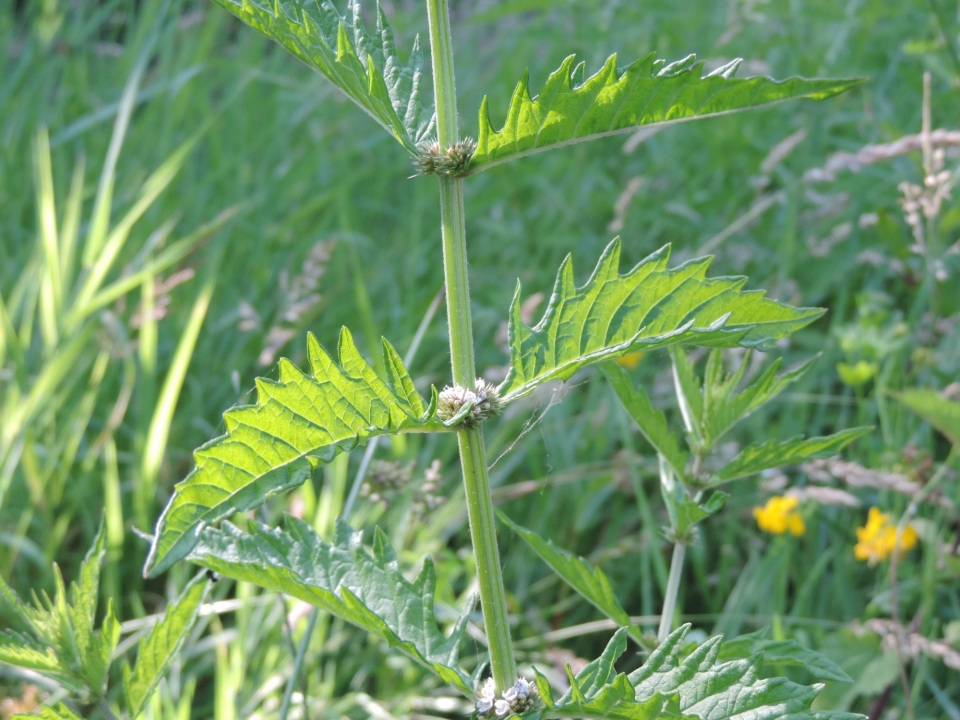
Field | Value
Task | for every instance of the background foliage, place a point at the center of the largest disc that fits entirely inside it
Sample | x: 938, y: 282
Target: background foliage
x: 328, y: 231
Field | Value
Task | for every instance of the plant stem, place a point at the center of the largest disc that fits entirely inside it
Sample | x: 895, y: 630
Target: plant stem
x: 673, y: 588
x: 476, y: 482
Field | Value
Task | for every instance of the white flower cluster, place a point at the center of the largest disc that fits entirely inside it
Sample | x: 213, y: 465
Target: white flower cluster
x: 517, y: 698
x: 485, y: 399
x: 432, y: 159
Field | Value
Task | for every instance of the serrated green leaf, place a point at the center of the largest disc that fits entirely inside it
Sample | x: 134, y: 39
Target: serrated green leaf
x: 274, y: 445
x: 612, y: 101
x: 97, y: 651
x: 56, y: 647
x: 591, y: 582
x: 712, y: 690
x: 649, y: 419
x: 782, y: 652
x: 723, y: 406
x: 82, y: 610
x: 943, y: 414
x: 64, y: 639
x: 26, y: 652
x: 598, y: 691
x: 35, y: 618
x: 649, y: 307
x: 343, y: 579
x: 771, y: 454
x: 60, y: 712
x: 688, y: 513
x: 695, y: 687
x: 365, y: 67
x: 64, y: 646
x: 161, y: 645
x: 715, y: 503
x: 84, y: 592
x: 16, y: 649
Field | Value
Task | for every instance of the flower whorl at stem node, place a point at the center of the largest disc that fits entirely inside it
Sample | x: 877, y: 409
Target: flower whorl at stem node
x: 517, y: 698
x: 432, y: 159
x: 485, y: 399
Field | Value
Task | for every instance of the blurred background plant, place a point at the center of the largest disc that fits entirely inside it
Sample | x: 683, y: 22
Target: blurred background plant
x: 200, y: 200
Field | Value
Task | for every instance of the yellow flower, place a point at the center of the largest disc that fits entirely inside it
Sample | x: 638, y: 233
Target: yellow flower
x: 779, y: 516
x: 630, y: 361
x: 877, y: 540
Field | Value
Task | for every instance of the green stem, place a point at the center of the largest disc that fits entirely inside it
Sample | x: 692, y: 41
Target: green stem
x: 673, y: 588
x: 476, y: 482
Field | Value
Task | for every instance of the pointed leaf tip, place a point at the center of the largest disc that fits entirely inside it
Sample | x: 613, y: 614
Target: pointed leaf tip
x: 647, y: 92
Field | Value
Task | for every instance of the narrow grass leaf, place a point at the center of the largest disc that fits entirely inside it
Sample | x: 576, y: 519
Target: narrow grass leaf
x: 649, y: 307
x: 47, y: 220
x: 274, y: 445
x: 171, y: 255
x: 646, y: 92
x: 342, y: 578
x: 70, y: 229
x: 159, y: 648
x: 364, y: 66
x: 771, y: 454
x: 159, y: 430
x: 102, y: 262
x: 100, y: 221
x: 943, y: 414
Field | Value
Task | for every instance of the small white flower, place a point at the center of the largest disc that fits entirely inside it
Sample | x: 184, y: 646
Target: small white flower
x: 488, y: 691
x: 523, y: 688
x: 484, y: 706
x: 510, y: 694
x: 502, y: 708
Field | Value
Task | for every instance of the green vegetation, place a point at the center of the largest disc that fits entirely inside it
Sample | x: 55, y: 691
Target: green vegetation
x: 188, y: 207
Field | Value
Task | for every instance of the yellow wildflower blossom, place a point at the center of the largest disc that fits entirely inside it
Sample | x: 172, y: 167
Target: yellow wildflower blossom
x: 780, y: 516
x: 877, y: 540
x: 629, y: 361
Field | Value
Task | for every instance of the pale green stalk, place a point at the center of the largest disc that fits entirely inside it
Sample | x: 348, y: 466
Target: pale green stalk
x: 679, y: 547
x: 472, y: 456
x: 673, y: 588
